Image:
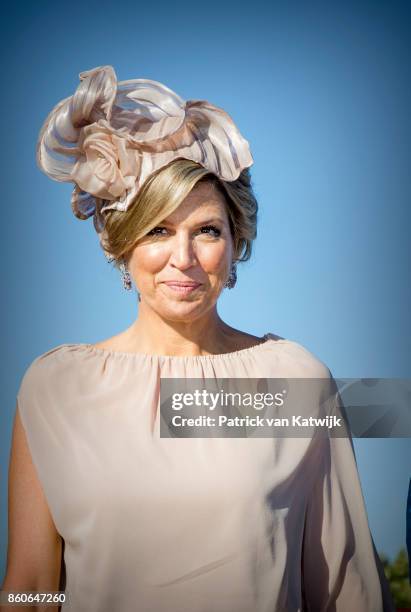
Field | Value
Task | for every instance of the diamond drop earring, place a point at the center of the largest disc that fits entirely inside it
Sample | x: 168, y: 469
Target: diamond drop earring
x: 125, y: 275
x: 232, y: 279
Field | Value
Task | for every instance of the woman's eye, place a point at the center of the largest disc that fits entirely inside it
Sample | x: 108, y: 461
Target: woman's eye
x: 155, y: 232
x: 205, y: 229
x: 213, y: 228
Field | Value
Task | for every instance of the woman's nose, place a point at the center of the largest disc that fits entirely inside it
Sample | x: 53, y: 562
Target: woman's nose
x: 182, y: 251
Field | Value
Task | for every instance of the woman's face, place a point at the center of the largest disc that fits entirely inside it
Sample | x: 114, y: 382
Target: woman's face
x: 192, y: 245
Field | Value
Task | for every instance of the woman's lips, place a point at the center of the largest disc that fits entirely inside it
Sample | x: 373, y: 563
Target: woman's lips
x: 183, y: 288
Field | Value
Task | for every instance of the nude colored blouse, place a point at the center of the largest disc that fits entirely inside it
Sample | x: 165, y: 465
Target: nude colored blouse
x: 153, y: 524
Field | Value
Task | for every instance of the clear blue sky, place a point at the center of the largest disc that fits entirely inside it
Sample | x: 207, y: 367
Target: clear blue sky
x: 322, y: 92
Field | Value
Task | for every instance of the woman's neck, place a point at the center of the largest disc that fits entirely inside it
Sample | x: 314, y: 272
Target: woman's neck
x: 207, y: 335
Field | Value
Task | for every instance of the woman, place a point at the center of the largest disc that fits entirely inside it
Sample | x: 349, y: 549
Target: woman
x: 148, y: 523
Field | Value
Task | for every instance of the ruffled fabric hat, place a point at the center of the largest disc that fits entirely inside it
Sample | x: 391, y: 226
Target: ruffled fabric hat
x: 109, y: 137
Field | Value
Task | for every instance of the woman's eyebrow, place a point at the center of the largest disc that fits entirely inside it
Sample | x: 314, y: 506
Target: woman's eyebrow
x: 202, y: 222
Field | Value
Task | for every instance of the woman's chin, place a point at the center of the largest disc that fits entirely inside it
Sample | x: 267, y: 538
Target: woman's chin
x: 182, y: 309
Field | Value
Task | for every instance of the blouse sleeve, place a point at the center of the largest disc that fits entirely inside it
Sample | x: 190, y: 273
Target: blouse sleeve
x: 341, y: 570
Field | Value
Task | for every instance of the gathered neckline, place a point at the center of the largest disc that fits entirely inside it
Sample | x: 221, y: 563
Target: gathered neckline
x: 269, y: 337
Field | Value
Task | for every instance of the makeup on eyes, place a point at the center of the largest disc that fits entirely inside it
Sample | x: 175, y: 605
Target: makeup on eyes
x: 202, y: 227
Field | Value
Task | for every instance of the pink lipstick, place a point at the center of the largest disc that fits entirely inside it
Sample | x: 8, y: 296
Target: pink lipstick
x: 182, y: 287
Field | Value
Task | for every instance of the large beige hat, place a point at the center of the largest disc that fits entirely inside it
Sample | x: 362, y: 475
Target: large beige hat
x: 110, y: 136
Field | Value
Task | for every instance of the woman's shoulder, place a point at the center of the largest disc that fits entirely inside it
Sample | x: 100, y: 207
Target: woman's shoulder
x: 45, y: 365
x: 50, y: 356
x: 305, y: 361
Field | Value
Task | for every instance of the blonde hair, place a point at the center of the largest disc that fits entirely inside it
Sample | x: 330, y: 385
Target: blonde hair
x: 164, y: 191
